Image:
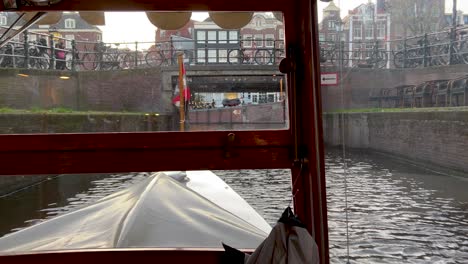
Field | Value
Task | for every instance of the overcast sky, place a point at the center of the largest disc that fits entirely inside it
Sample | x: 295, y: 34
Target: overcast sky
x: 135, y: 26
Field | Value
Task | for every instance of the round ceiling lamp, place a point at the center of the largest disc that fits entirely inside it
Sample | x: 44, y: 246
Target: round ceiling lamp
x: 95, y: 18
x: 278, y: 15
x: 169, y: 20
x: 51, y: 18
x: 231, y: 20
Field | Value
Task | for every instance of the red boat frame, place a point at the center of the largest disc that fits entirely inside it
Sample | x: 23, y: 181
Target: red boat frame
x: 299, y: 148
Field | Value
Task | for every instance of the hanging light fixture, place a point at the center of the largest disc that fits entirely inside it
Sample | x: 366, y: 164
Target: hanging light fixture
x: 231, y: 20
x: 50, y: 18
x: 95, y: 18
x: 169, y: 20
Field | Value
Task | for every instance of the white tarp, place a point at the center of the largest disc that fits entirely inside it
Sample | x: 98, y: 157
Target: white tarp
x: 158, y: 212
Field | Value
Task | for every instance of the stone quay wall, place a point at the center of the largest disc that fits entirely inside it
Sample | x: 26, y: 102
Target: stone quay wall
x: 436, y: 139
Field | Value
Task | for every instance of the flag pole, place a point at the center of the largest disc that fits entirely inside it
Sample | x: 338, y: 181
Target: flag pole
x: 281, y: 89
x: 180, y: 58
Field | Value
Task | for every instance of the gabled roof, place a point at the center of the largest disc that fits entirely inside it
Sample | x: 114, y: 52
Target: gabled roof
x: 79, y: 22
x: 331, y: 7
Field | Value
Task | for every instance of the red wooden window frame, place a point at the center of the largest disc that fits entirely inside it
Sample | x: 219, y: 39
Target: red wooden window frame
x: 299, y: 148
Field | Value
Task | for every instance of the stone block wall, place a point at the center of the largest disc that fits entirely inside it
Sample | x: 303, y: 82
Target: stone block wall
x: 438, y: 138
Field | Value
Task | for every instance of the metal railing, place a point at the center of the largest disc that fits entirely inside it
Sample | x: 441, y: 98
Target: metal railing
x: 46, y: 51
x: 446, y: 47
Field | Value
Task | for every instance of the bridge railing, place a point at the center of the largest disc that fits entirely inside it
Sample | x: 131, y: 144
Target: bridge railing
x: 447, y: 47
x: 47, y: 51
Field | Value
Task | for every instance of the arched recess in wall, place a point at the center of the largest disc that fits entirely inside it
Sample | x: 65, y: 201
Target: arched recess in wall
x: 231, y: 20
x: 169, y: 20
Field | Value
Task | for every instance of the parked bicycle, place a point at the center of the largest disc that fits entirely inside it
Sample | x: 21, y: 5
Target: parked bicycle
x: 166, y: 57
x: 421, y: 54
x: 14, y: 55
x: 459, y: 50
x: 333, y: 55
x: 254, y: 55
x: 374, y: 57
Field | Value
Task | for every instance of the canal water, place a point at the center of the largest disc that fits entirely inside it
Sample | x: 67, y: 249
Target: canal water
x: 397, y: 213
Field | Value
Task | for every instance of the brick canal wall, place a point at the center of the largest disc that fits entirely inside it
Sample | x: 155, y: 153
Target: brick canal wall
x: 73, y: 123
x: 437, y: 140
x: 138, y: 90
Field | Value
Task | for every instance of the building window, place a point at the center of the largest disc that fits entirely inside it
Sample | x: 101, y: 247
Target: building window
x: 233, y: 37
x: 222, y: 37
x: 254, y: 98
x: 3, y: 20
x: 201, y: 36
x: 321, y: 37
x: 381, y: 30
x: 357, y: 31
x: 222, y: 55
x: 270, y: 40
x: 211, y: 36
x: 201, y: 56
x: 247, y: 41
x: 281, y: 33
x: 68, y: 42
x: 32, y: 37
x: 331, y: 37
x: 98, y: 37
x: 259, y: 40
x: 212, y: 55
x: 369, y: 32
x: 162, y: 33
x: 331, y: 24
x: 258, y: 22
x: 465, y: 19
x: 70, y: 23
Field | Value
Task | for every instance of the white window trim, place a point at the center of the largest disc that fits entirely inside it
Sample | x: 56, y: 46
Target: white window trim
x: 3, y: 20
x: 258, y: 38
x: 247, y: 39
x: 68, y: 41
x: 70, y: 23
x: 269, y: 37
x: 281, y: 33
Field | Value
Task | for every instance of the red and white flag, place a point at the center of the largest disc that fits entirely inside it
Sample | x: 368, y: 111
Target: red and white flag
x: 176, y: 99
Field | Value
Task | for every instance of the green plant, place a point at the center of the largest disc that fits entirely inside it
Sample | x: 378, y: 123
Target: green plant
x: 60, y: 110
x: 6, y: 110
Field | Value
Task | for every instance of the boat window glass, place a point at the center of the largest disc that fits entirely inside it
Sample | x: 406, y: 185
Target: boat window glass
x: 394, y: 125
x: 124, y: 76
x: 192, y: 209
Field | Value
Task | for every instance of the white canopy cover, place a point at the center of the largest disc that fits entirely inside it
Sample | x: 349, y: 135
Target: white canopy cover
x: 199, y: 210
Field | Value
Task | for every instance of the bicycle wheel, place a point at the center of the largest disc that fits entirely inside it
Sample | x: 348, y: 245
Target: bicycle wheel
x: 154, y: 58
x: 334, y: 58
x: 38, y: 61
x: 128, y: 61
x: 235, y: 56
x: 463, y: 52
x: 399, y: 59
x: 381, y: 59
x: 262, y: 57
x: 43, y: 62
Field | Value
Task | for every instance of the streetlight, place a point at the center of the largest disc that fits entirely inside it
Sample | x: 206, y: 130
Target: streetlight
x: 339, y: 30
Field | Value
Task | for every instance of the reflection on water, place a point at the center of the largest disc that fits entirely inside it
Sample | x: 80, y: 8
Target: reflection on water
x: 57, y: 196
x: 397, y: 213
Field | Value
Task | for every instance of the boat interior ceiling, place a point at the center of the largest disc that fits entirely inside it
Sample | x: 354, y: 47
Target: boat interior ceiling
x: 297, y: 147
